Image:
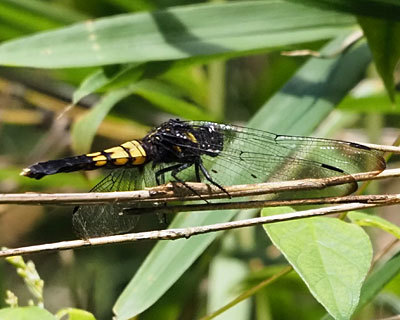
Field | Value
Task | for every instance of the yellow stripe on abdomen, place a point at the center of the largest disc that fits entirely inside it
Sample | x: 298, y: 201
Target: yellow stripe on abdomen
x: 118, y: 155
x: 131, y: 151
x: 135, y: 149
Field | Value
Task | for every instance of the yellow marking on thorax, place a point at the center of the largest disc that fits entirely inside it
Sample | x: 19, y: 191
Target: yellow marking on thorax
x: 177, y: 148
x: 191, y: 137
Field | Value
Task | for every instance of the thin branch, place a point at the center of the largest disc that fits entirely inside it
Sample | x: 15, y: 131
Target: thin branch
x: 251, y: 204
x: 175, y: 192
x: 172, y: 234
x: 384, y: 148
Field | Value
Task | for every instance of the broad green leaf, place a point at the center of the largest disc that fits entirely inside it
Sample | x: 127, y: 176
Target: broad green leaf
x: 231, y: 28
x: 331, y: 256
x: 384, y: 40
x: 75, y: 314
x: 297, y: 108
x: 225, y: 275
x: 25, y: 313
x: 84, y: 130
x: 376, y: 282
x: 369, y: 220
x: 159, y: 95
x: 385, y: 9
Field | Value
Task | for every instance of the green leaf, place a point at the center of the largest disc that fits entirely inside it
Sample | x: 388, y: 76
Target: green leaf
x: 26, y: 16
x: 369, y: 220
x: 192, y: 81
x: 84, y: 130
x: 378, y: 279
x: 124, y: 75
x: 297, y: 108
x: 376, y: 282
x: 160, y: 96
x: 376, y: 103
x: 384, y: 40
x: 313, y: 91
x: 26, y: 313
x: 232, y: 28
x: 39, y: 10
x: 137, y: 5
x: 100, y: 78
x: 331, y: 256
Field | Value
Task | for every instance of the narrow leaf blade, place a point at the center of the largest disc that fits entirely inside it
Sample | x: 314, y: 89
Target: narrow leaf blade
x: 384, y: 40
x: 84, y: 130
x: 369, y: 220
x: 176, y: 33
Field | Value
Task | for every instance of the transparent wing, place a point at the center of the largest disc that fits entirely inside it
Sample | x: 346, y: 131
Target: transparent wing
x: 101, y: 220
x: 251, y: 156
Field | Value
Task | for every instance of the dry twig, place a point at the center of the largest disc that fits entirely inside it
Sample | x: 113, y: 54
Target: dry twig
x: 172, y: 234
x: 173, y: 192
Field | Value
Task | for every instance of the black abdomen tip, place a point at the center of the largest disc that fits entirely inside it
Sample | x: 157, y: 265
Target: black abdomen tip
x: 70, y: 164
x: 27, y: 172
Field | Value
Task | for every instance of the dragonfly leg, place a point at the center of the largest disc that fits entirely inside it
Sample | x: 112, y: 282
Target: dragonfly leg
x: 175, y: 169
x: 208, y: 177
x: 196, y: 168
x: 163, y: 171
x: 174, y: 174
x: 162, y: 218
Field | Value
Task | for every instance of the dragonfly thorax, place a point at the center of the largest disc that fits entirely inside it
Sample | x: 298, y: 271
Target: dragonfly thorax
x: 178, y: 141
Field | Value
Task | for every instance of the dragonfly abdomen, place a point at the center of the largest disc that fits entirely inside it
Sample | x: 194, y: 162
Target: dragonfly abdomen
x: 130, y: 154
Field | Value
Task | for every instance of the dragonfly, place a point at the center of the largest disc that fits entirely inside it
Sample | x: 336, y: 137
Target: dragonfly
x: 209, y: 152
